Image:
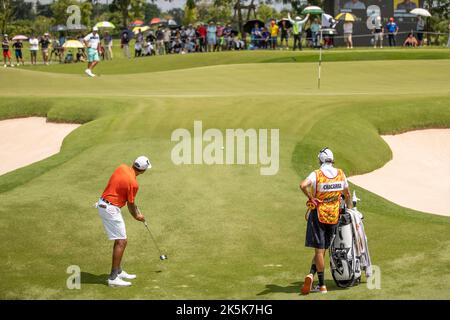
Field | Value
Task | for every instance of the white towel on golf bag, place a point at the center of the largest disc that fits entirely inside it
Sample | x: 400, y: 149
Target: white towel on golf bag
x: 362, y: 248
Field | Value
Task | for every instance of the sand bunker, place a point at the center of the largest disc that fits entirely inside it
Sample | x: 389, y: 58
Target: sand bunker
x: 418, y: 177
x: 27, y: 140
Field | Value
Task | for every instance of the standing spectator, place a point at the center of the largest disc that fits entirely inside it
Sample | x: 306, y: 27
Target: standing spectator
x: 219, y: 37
x: 138, y: 44
x: 150, y: 40
x: 211, y: 36
x: 284, y: 34
x: 92, y: 42
x: 34, y: 47
x: 378, y: 33
x: 392, y: 29
x: 125, y: 44
x: 448, y: 41
x: 167, y: 36
x: 297, y: 30
x: 315, y: 28
x: 420, y: 28
x: 108, y: 43
x: 348, y: 32
x: 265, y: 38
x: 160, y: 40
x: 45, y: 42
x: 202, y: 37
x: 6, y: 52
x: 274, y: 30
x: 228, y: 37
x: 256, y: 36
x: 18, y: 45
x: 56, y: 48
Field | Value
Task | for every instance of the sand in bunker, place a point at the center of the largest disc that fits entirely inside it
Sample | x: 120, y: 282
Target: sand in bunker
x: 27, y: 140
x: 418, y: 177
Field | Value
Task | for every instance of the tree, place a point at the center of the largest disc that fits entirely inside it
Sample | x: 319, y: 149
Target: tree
x: 5, y: 14
x: 190, y: 12
x: 151, y: 11
x: 22, y: 10
x: 59, y: 10
x: 137, y: 10
x: 177, y: 14
x: 122, y: 6
x: 43, y: 10
x: 265, y: 12
x: 86, y: 13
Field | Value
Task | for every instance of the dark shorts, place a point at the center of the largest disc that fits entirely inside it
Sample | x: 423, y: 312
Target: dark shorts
x: 419, y: 36
x: 318, y: 235
x: 18, y: 53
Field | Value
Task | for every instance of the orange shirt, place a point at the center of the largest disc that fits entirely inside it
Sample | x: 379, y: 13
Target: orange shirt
x: 122, y: 186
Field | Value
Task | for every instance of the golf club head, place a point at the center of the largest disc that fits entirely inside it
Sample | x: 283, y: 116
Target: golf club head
x: 163, y: 257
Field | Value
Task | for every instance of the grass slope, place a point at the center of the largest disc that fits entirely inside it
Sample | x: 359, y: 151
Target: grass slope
x: 229, y: 232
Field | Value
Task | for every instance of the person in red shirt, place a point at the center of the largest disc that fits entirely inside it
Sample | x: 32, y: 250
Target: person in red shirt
x: 202, y: 37
x: 121, y: 190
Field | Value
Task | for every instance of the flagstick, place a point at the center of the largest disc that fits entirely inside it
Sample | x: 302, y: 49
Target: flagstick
x: 320, y: 59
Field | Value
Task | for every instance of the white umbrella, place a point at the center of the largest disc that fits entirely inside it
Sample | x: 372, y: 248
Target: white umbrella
x: 104, y: 24
x: 421, y: 12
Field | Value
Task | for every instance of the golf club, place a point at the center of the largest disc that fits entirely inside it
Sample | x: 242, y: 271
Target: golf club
x: 161, y: 256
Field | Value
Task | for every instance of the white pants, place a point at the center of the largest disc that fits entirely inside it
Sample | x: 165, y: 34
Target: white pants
x: 112, y: 220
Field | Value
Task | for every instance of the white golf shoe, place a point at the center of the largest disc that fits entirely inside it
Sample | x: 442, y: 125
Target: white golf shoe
x: 124, y: 275
x: 118, y: 282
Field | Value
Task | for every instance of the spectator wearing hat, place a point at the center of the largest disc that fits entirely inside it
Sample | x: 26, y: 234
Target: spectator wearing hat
x: 6, y: 52
x: 392, y: 29
x: 92, y: 42
x: 45, y: 43
x: 297, y: 30
x: 211, y: 36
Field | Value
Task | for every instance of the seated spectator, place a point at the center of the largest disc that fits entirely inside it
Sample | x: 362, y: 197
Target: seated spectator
x: 69, y: 57
x: 256, y: 35
x: 411, y: 41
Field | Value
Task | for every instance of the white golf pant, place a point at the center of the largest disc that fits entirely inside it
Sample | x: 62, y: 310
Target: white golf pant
x: 112, y: 220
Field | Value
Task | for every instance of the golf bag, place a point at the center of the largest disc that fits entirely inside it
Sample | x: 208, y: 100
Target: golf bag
x: 349, y: 252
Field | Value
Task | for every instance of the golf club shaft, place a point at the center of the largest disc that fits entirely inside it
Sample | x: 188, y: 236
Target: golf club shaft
x: 153, y: 239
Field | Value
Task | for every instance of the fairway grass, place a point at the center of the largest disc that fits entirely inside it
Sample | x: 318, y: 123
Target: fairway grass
x: 229, y: 232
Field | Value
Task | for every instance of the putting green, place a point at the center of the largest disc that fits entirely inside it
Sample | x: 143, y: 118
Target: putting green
x: 228, y: 231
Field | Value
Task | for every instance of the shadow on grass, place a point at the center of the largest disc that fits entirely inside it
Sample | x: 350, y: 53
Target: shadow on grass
x: 294, y: 287
x: 89, y: 278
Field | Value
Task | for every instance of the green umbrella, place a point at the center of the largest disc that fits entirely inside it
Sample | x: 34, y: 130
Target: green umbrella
x: 312, y: 10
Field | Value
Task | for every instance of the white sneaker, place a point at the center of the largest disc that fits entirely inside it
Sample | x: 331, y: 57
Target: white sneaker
x: 118, y: 282
x: 124, y: 275
x: 87, y: 71
x: 4, y: 66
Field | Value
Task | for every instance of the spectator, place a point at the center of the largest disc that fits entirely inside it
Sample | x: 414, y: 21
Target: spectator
x: 45, y: 42
x: 220, y: 37
x: 315, y: 28
x: 392, y: 29
x: 56, y: 49
x: 448, y: 41
x: 274, y: 30
x: 420, y: 28
x: 160, y: 41
x: 228, y: 36
x: 69, y: 57
x: 284, y: 34
x: 167, y: 36
x: 137, y: 49
x: 378, y: 32
x: 297, y: 29
x: 18, y: 45
x: 256, y: 35
x: 202, y: 37
x: 211, y: 36
x: 6, y: 52
x: 348, y: 32
x: 265, y: 38
x: 410, y: 41
x: 124, y: 44
x: 34, y: 47
x: 107, y: 44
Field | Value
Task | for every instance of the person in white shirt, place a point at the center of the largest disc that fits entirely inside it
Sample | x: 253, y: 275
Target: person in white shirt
x: 34, y: 47
x: 92, y: 42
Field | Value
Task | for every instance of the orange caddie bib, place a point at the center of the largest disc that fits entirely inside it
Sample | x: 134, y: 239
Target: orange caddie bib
x: 328, y: 191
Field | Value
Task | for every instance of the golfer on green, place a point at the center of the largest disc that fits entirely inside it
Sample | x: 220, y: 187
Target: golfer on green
x: 324, y: 188
x: 92, y: 42
x: 121, y: 189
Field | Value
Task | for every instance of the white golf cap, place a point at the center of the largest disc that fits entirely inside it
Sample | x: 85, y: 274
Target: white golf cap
x: 298, y: 18
x: 95, y: 29
x: 325, y: 155
x: 142, y: 163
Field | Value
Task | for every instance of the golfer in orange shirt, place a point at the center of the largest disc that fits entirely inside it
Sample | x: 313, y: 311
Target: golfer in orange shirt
x: 121, y: 189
